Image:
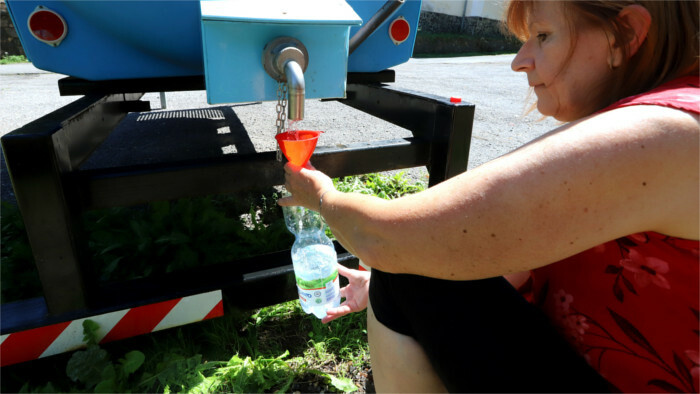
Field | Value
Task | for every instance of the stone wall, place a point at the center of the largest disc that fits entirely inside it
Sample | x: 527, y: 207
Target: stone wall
x: 9, y: 41
x: 448, y: 34
x: 431, y: 22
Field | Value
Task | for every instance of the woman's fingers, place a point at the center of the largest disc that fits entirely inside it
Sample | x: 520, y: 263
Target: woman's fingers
x: 305, y: 184
x: 334, y: 313
x: 345, y: 271
x: 286, y: 201
x: 290, y: 167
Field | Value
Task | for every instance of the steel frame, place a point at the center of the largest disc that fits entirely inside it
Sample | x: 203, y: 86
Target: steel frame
x: 43, y: 159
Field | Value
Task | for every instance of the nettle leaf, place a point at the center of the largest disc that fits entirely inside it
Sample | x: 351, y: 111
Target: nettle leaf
x: 48, y: 389
x: 87, y: 366
x: 107, y: 386
x: 177, y: 371
x: 132, y: 361
x: 108, y: 373
x: 90, y: 331
x: 175, y: 238
x: 160, y: 210
x: 139, y: 228
x: 110, y: 267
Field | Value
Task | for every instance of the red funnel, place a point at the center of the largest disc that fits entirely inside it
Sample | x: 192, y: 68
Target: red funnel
x: 298, y: 146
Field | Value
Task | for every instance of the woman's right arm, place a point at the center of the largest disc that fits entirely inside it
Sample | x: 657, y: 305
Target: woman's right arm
x: 625, y: 171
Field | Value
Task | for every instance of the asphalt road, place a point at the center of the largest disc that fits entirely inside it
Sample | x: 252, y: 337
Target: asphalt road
x: 500, y: 123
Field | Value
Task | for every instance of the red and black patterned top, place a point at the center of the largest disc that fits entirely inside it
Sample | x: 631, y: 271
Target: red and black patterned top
x: 630, y: 306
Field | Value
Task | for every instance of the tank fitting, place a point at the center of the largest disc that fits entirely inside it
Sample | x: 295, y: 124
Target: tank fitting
x: 285, y: 59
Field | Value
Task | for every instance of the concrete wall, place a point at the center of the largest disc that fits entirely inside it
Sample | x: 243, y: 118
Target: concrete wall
x: 433, y: 22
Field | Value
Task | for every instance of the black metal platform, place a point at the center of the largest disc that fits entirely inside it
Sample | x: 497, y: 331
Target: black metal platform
x: 72, y: 86
x: 44, y: 157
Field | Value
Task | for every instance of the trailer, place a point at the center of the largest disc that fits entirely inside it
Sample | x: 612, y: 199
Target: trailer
x: 283, y: 51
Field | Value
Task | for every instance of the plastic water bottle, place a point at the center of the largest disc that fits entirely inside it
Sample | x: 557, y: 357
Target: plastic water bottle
x: 314, y: 260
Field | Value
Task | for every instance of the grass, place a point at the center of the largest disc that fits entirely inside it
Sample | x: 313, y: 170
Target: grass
x: 10, y: 59
x: 276, y: 348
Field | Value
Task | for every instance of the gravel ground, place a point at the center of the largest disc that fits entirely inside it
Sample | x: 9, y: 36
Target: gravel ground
x: 202, y: 130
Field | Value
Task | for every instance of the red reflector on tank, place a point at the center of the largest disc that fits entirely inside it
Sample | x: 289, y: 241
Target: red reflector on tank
x: 47, y: 26
x: 399, y: 30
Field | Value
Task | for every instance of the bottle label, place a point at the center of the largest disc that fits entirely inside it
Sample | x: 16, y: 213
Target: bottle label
x: 318, y: 291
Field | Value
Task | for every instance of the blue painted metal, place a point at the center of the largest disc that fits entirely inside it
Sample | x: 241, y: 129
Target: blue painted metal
x: 234, y: 68
x: 113, y: 39
x: 378, y: 52
x: 117, y: 39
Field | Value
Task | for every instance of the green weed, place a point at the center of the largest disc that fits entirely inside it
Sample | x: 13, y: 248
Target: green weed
x: 94, y: 369
x: 278, y: 348
x: 384, y: 186
x: 10, y: 59
x: 186, y: 233
x: 19, y: 277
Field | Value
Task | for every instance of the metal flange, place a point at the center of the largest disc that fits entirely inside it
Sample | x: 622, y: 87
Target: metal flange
x: 281, y: 50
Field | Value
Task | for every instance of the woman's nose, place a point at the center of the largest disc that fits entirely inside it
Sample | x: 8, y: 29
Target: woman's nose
x: 523, y: 61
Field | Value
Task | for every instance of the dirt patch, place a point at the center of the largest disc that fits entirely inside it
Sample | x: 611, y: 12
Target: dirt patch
x: 291, y: 333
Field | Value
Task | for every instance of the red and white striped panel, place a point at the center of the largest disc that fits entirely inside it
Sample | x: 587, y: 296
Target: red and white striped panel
x: 362, y: 266
x: 63, y: 337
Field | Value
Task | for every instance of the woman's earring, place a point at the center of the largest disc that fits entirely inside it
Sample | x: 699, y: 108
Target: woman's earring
x: 613, y: 63
x: 610, y: 65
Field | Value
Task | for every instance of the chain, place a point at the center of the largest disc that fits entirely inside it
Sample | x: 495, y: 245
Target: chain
x: 281, y: 106
x: 281, y: 111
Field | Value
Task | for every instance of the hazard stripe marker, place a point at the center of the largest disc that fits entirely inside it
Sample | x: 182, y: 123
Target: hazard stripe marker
x: 67, y: 336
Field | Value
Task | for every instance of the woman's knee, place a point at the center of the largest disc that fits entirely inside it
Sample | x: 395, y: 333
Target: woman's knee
x: 399, y: 363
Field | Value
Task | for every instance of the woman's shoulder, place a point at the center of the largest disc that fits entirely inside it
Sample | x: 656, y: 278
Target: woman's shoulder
x: 671, y: 108
x: 681, y: 93
x: 653, y: 121
x: 637, y: 123
x: 662, y: 143
x: 644, y: 155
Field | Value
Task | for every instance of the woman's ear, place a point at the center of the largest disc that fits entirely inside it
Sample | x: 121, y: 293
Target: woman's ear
x: 638, y: 19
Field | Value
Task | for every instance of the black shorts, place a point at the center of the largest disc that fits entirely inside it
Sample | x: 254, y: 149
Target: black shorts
x: 481, y: 335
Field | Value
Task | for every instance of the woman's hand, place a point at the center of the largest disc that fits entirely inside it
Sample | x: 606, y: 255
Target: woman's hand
x: 306, y: 184
x: 356, y: 293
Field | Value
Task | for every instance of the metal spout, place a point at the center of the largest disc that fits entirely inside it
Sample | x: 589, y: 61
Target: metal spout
x: 285, y: 59
x: 296, y: 89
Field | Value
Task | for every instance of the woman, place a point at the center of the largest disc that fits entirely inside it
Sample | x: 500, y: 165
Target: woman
x: 603, y: 213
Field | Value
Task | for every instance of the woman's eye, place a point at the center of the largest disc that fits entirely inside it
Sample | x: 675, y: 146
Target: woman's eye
x: 541, y: 37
